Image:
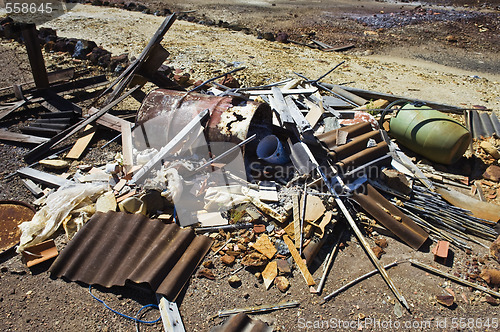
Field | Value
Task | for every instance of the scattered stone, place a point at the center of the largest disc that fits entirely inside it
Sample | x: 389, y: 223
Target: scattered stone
x: 491, y: 276
x: 268, y: 36
x: 228, y: 259
x: 206, y: 273
x: 495, y: 249
x: 283, y: 267
x: 451, y: 39
x: 492, y: 173
x: 258, y: 275
x: 491, y: 300
x: 282, y: 37
x: 208, y: 264
x: 254, y: 259
x: 234, y: 281
x: 446, y: 300
x: 490, y: 149
x: 282, y: 283
x: 381, y: 242
x: 378, y: 251
x: 230, y: 81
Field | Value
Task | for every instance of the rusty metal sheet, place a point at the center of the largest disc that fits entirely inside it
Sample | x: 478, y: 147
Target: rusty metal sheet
x: 390, y: 216
x: 241, y: 322
x: 230, y: 117
x: 363, y: 157
x: 114, y: 248
x: 12, y: 214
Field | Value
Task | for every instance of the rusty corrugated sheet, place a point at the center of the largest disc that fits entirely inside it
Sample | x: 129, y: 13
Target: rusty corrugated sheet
x: 241, y: 322
x: 113, y: 248
x: 484, y: 124
x: 390, y: 216
x: 330, y: 138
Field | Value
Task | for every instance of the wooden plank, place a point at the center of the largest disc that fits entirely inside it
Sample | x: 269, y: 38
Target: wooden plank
x: 35, y: 56
x: 44, y: 148
x: 299, y: 261
x: 82, y: 143
x: 21, y: 138
x: 109, y: 120
x: 128, y: 158
x: 43, y: 177
x: 11, y: 107
x: 33, y: 187
x: 314, y: 113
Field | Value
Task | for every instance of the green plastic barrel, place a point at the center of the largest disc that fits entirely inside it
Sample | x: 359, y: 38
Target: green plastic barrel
x: 430, y: 133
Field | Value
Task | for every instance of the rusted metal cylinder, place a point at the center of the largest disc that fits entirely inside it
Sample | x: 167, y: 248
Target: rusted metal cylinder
x: 390, y: 216
x: 356, y: 145
x: 168, y: 111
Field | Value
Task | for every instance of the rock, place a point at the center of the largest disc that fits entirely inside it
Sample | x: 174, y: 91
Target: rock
x: 381, y: 242
x: 492, y: 173
x: 282, y: 283
x: 254, y: 259
x: 491, y: 276
x: 283, y: 267
x: 451, y: 39
x: 228, y: 259
x: 259, y: 228
x: 491, y: 300
x: 82, y: 48
x: 206, y: 273
x: 490, y: 149
x: 234, y: 281
x: 118, y: 60
x: 495, y: 249
x: 97, y: 53
x: 268, y: 36
x: 208, y: 264
x: 282, y: 37
x: 378, y: 251
x: 446, y: 300
x: 230, y: 81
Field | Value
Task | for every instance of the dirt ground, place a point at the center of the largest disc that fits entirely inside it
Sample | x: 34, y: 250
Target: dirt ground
x: 414, y: 60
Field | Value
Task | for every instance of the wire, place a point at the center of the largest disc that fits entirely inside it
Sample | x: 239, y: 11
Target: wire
x: 135, y: 319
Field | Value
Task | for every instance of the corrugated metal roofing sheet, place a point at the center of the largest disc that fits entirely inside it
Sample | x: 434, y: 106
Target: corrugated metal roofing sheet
x: 113, y: 248
x: 242, y: 323
x: 484, y: 124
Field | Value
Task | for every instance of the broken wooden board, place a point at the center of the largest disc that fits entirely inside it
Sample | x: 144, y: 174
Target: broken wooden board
x: 128, y: 158
x: 6, y: 109
x: 269, y: 273
x: 21, y: 138
x: 33, y: 188
x: 265, y: 246
x: 82, y: 143
x: 315, y: 112
x: 296, y: 219
x: 109, y: 120
x: 44, y: 149
x: 42, y: 177
x: 299, y: 261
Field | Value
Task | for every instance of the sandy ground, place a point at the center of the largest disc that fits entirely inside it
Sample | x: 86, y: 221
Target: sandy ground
x: 208, y: 50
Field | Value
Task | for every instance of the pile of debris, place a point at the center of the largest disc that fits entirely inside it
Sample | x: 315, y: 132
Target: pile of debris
x: 260, y: 176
